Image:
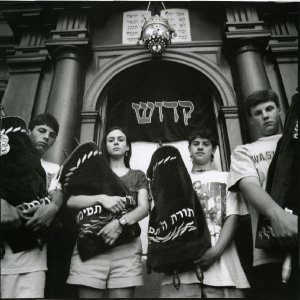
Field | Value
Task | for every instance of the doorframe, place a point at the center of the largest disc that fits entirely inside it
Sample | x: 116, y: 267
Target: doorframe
x: 223, y: 93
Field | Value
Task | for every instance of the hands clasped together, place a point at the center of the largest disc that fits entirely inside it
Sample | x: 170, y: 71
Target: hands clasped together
x: 112, y: 230
x: 37, y: 218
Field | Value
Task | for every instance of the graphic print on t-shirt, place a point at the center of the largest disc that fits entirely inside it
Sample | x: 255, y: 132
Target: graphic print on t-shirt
x: 212, y: 196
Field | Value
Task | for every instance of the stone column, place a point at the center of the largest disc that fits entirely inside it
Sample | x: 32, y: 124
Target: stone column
x: 245, y: 43
x: 285, y: 50
x: 69, y: 48
x: 250, y: 74
x: 65, y: 98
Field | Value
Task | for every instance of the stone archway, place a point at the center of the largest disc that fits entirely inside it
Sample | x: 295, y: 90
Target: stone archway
x: 223, y: 91
x: 199, y: 62
x: 94, y: 99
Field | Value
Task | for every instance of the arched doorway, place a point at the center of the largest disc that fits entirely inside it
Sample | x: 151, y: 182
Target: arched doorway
x: 173, y: 77
x: 209, y: 75
x: 160, y: 102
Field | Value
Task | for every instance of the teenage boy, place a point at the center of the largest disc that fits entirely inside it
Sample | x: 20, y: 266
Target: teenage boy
x: 223, y: 273
x: 248, y: 174
x: 23, y: 273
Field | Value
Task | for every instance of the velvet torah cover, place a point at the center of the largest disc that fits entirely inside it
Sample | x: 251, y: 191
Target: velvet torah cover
x: 177, y: 233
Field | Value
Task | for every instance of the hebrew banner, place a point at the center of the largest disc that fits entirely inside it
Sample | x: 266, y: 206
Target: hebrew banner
x: 154, y: 121
x: 165, y: 104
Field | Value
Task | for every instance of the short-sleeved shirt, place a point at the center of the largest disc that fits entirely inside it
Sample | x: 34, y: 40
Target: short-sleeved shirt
x: 51, y: 175
x: 236, y: 205
x: 253, y: 160
x: 210, y: 188
x: 31, y: 260
x: 135, y: 180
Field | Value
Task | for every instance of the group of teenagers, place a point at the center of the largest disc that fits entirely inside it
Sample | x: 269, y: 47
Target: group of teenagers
x: 117, y: 271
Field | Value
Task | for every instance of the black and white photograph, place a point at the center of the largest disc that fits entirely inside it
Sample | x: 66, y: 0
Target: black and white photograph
x: 149, y: 149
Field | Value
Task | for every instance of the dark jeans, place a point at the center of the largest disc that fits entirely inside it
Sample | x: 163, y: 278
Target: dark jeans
x: 60, y: 248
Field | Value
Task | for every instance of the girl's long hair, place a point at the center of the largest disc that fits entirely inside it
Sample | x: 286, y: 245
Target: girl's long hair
x: 128, y: 142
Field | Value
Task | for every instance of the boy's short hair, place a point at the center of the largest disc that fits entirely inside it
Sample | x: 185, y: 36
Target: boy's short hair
x: 204, y: 133
x: 259, y: 97
x: 44, y: 119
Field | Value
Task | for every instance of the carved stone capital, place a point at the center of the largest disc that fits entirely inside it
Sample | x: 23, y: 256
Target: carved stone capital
x: 72, y: 48
x: 26, y: 64
x: 234, y: 45
x: 285, y: 47
x: 90, y: 117
x: 284, y: 39
x: 53, y: 44
x: 7, y: 40
x: 244, y: 30
x: 230, y: 112
x: 27, y: 53
x: 70, y: 52
x: 71, y: 31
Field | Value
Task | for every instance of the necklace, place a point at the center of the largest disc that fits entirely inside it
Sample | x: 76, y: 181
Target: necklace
x: 200, y: 171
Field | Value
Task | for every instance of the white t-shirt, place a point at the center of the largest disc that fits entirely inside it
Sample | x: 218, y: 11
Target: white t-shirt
x: 31, y: 260
x: 253, y: 160
x: 51, y: 170
x: 210, y: 187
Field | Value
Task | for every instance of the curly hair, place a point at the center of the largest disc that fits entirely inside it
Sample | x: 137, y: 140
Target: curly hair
x: 204, y: 133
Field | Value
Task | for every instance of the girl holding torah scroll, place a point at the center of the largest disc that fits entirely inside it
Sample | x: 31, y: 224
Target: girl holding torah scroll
x: 222, y: 270
x: 108, y: 213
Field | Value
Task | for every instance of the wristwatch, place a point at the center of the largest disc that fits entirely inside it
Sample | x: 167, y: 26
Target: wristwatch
x: 122, y: 221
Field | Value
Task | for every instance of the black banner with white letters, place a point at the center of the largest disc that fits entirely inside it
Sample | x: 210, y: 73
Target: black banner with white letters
x: 161, y: 108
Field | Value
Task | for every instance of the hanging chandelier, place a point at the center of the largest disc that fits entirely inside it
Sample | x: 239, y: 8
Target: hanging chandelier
x: 157, y: 32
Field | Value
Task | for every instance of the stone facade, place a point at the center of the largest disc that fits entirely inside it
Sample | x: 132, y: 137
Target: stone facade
x: 64, y: 57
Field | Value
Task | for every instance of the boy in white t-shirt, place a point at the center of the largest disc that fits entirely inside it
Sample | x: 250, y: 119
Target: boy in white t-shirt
x: 23, y: 273
x: 223, y: 273
x: 248, y: 175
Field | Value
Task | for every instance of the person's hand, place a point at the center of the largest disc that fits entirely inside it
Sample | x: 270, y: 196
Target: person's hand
x: 111, y: 232
x: 42, y: 218
x: 10, y: 216
x: 285, y: 228
x: 114, y: 204
x: 208, y: 258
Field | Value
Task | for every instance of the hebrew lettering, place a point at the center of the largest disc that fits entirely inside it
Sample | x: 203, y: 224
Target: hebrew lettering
x: 160, y: 105
x: 151, y: 230
x: 174, y: 106
x: 90, y: 211
x: 191, y: 212
x: 164, y: 225
x: 143, y: 119
x: 79, y: 216
x: 173, y: 216
x: 99, y: 209
x: 186, y: 115
x: 180, y: 212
